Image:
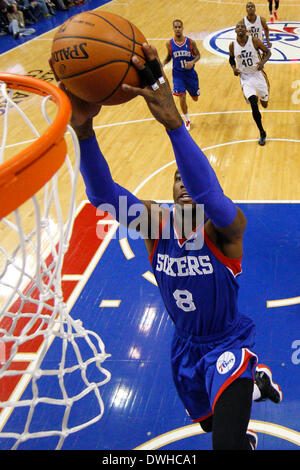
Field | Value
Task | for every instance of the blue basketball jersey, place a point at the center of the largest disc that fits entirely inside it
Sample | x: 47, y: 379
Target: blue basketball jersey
x: 181, y: 53
x: 197, y: 283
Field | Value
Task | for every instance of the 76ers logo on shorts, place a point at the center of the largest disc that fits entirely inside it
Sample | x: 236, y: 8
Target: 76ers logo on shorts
x: 225, y: 362
x: 284, y: 38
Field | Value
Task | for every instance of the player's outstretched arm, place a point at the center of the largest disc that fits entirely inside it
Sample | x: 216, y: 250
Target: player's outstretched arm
x: 199, y: 178
x: 101, y: 189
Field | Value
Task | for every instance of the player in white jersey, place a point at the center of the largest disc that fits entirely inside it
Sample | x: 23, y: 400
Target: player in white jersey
x: 256, y: 25
x: 247, y: 56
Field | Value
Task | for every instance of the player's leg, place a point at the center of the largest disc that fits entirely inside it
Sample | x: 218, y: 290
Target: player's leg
x: 179, y: 90
x: 250, y: 84
x: 185, y: 111
x: 231, y: 417
x: 263, y: 89
x: 276, y: 9
x: 233, y: 409
x: 190, y: 386
x: 257, y: 118
x: 264, y: 103
x: 264, y: 389
x: 271, y: 11
x: 192, y: 87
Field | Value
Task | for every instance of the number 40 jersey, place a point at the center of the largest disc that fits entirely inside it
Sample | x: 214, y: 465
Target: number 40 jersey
x: 247, y: 57
x: 197, y: 283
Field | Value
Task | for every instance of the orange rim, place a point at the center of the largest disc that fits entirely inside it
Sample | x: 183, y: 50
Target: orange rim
x: 29, y: 170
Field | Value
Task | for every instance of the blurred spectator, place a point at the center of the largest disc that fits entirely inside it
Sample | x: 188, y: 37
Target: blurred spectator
x: 3, y: 22
x: 61, y: 5
x: 46, y: 7
x: 30, y: 9
x: 16, y: 22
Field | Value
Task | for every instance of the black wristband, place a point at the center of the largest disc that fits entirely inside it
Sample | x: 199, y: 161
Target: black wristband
x: 232, y: 61
x: 147, y: 76
x: 155, y: 67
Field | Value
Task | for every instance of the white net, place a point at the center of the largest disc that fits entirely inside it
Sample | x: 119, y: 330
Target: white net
x: 43, y: 351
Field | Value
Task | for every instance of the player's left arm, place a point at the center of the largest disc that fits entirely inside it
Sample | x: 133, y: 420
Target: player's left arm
x: 229, y: 240
x: 266, y: 30
x: 227, y: 222
x: 196, y: 55
x: 266, y: 53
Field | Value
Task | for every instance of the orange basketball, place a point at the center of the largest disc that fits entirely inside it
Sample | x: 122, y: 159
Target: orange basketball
x: 91, y: 54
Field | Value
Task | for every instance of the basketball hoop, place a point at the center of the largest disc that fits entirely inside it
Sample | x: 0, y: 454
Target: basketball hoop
x: 36, y: 220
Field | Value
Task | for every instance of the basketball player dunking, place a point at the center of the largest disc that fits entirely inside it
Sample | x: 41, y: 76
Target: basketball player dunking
x: 212, y: 359
x: 184, y: 53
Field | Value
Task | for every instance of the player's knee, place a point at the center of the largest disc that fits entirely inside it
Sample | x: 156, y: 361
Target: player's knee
x: 206, y: 424
x: 195, y: 98
x: 253, y: 100
x: 264, y: 103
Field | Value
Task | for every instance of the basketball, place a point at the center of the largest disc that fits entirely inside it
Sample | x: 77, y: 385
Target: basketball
x: 91, y: 54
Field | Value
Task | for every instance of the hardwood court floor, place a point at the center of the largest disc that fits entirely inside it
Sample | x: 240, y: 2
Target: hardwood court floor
x: 221, y: 119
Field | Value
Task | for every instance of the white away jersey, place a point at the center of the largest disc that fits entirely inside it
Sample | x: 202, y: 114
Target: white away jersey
x: 247, y: 57
x: 255, y: 29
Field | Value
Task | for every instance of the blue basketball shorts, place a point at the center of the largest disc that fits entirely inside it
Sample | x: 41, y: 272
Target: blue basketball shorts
x: 185, y: 81
x: 203, y: 370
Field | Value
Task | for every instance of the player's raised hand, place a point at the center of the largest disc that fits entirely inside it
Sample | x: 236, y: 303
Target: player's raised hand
x: 83, y: 112
x: 157, y: 92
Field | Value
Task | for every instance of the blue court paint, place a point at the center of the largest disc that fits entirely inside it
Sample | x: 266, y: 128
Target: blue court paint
x: 140, y: 399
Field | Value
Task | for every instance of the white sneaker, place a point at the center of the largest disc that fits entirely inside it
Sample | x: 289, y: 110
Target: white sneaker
x: 188, y: 125
x: 253, y: 439
x: 264, y: 381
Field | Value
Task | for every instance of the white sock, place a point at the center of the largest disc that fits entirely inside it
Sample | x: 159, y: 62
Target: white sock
x: 256, y: 393
x: 186, y: 117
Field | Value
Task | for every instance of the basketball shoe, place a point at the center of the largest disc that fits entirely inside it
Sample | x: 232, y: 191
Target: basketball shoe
x: 253, y: 439
x: 188, y: 125
x: 262, y: 139
x: 271, y: 19
x: 268, y: 389
x: 275, y: 15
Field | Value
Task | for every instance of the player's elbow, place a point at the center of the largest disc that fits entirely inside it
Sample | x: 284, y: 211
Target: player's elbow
x: 238, y: 226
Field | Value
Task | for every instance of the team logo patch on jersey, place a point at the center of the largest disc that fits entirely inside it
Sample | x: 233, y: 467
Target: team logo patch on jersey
x: 284, y: 37
x: 225, y: 362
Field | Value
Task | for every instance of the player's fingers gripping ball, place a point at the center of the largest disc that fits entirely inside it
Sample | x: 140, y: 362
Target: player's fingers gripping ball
x: 92, y: 55
x: 151, y: 72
